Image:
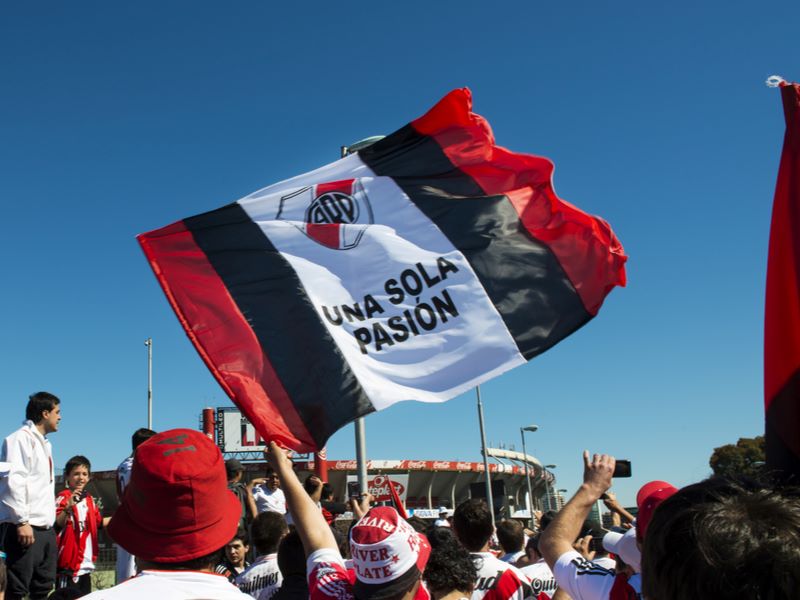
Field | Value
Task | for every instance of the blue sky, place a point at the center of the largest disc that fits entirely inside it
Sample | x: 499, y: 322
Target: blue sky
x: 119, y: 118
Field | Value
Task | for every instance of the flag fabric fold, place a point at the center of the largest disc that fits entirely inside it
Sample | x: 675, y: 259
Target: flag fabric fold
x: 415, y: 269
x: 782, y: 309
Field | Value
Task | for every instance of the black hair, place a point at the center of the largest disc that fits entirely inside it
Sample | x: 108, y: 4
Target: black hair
x: 267, y: 530
x: 140, y: 436
x: 418, y: 523
x: 510, y: 535
x: 38, y: 403
x: 450, y: 568
x: 440, y: 536
x: 327, y: 491
x: 725, y: 537
x: 546, y: 519
x: 77, y: 461
x: 241, y: 535
x: 533, y: 544
x: 291, y: 556
x: 472, y: 523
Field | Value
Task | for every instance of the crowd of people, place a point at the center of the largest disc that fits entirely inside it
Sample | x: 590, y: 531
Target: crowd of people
x: 189, y: 526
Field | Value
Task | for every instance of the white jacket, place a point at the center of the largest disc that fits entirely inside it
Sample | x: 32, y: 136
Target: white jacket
x: 27, y: 486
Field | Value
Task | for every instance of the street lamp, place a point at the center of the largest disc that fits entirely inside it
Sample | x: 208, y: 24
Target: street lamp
x: 547, y: 486
x: 522, y: 431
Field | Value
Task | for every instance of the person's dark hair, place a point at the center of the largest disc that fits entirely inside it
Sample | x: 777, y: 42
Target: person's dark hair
x: 267, y: 530
x: 440, y: 536
x: 209, y: 561
x: 140, y: 436
x: 546, y: 519
x: 510, y: 535
x: 241, y: 535
x: 327, y: 491
x: 342, y: 542
x: 3, y: 575
x: 533, y: 544
x: 450, y: 568
x: 418, y: 523
x: 724, y: 538
x: 472, y: 523
x: 291, y: 556
x: 77, y: 461
x: 38, y: 403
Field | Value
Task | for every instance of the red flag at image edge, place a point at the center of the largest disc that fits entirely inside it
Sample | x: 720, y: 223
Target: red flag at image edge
x: 782, y: 309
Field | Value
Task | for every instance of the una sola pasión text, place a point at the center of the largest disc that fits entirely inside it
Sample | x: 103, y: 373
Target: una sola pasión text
x: 424, y: 315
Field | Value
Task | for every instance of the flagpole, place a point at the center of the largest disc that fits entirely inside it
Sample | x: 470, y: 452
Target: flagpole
x: 489, y: 499
x: 149, y: 343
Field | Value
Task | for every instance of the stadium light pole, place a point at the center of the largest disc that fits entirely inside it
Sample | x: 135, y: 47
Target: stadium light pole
x: 489, y: 499
x: 522, y: 430
x: 149, y: 343
x: 547, y: 486
x: 360, y: 429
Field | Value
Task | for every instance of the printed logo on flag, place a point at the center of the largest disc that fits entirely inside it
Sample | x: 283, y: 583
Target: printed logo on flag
x: 334, y: 214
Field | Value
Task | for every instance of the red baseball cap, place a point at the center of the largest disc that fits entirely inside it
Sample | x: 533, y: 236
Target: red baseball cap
x: 388, y: 554
x: 648, y: 499
x: 177, y: 506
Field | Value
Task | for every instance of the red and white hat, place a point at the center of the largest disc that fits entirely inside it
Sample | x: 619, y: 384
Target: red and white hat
x: 650, y: 496
x: 388, y: 554
x: 177, y: 505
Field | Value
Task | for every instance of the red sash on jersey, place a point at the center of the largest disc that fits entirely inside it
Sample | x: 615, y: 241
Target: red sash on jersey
x: 71, y: 540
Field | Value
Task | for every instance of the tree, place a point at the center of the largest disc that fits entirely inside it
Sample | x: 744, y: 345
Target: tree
x: 745, y: 458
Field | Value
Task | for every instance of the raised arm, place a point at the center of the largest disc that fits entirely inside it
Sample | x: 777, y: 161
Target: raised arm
x: 308, y: 520
x: 558, y: 537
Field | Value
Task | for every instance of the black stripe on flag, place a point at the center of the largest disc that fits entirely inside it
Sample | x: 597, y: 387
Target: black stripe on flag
x: 269, y: 294
x: 521, y: 276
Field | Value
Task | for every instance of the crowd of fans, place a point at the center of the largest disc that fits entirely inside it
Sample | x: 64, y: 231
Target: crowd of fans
x: 189, y: 526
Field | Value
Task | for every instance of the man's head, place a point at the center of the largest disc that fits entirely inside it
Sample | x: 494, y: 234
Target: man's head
x: 234, y: 470
x: 532, y: 548
x: 450, y: 569
x: 44, y: 410
x: 327, y: 492
x: 267, y: 530
x: 510, y: 535
x: 723, y: 538
x: 77, y: 472
x: 236, y: 550
x: 177, y: 511
x: 291, y: 556
x: 388, y: 555
x: 140, y: 436
x: 472, y: 523
x: 272, y: 482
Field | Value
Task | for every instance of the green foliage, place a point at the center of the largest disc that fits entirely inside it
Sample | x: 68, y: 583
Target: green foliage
x: 745, y: 458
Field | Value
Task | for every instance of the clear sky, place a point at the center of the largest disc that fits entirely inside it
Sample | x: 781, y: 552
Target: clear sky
x: 118, y: 118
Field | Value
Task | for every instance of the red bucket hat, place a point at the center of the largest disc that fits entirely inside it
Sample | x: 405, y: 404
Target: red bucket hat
x: 388, y: 554
x: 177, y: 506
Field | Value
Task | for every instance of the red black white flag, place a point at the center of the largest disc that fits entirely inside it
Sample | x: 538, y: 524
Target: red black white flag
x: 414, y: 269
x: 782, y: 318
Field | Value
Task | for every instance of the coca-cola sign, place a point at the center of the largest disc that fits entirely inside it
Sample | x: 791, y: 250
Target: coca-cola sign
x: 442, y: 465
x: 378, y: 486
x: 416, y: 464
x: 344, y: 465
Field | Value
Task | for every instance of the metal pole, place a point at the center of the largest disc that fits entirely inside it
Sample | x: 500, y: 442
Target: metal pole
x: 149, y: 343
x: 527, y: 480
x: 489, y: 498
x: 360, y: 430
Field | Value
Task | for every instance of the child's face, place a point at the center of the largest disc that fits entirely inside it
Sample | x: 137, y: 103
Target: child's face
x: 78, y: 477
x: 236, y: 551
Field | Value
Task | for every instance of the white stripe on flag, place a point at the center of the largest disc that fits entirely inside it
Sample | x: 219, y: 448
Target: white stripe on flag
x: 379, y: 278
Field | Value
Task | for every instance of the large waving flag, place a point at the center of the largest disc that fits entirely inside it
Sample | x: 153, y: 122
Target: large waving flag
x: 782, y: 319
x: 415, y: 269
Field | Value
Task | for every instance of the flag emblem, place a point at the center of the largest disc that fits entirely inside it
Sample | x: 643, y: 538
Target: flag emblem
x: 334, y: 214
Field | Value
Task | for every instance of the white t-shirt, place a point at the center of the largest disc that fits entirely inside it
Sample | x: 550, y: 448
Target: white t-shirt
x: 172, y: 585
x: 585, y: 580
x: 266, y: 500
x: 261, y: 579
x: 498, y: 580
x: 512, y: 557
x: 541, y: 577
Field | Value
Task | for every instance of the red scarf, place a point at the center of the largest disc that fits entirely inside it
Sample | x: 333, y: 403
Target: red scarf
x: 71, y: 540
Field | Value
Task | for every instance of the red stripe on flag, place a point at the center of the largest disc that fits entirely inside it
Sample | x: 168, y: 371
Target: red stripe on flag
x: 398, y: 504
x: 221, y: 334
x: 586, y: 248
x: 345, y: 186
x: 782, y: 308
